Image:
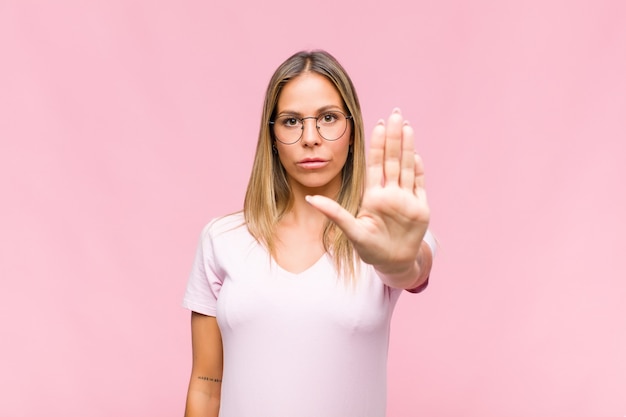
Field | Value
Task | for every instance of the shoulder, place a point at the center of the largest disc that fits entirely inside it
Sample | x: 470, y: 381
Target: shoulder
x: 226, y: 235
x: 224, y: 224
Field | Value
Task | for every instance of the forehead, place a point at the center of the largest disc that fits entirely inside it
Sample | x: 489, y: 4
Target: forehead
x: 307, y: 93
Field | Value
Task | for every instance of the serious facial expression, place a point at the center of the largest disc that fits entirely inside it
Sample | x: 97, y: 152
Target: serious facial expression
x: 313, y: 164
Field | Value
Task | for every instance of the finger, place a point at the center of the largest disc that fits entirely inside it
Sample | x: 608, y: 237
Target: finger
x: 340, y: 216
x: 419, y: 171
x: 393, y: 148
x: 420, y: 193
x: 376, y: 155
x: 407, y: 161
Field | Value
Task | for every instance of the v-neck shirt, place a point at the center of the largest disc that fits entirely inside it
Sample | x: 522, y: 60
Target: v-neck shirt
x: 295, y: 344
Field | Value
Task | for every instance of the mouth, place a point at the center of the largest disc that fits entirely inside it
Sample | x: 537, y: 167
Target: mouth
x: 312, y: 163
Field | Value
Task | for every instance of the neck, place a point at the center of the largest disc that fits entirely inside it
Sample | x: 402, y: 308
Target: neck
x: 302, y: 212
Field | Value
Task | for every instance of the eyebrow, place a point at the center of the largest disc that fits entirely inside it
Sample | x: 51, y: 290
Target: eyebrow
x: 320, y: 110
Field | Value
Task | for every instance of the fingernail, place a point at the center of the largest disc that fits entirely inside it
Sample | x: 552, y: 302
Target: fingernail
x: 396, y: 110
x: 307, y: 198
x: 381, y: 122
x: 406, y: 123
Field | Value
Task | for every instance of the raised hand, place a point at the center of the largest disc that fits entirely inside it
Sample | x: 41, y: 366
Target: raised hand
x: 393, y: 219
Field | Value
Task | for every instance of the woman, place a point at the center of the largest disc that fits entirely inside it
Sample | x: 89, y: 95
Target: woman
x: 292, y: 298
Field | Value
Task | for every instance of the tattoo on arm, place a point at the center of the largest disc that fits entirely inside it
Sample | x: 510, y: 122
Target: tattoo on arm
x: 206, y: 378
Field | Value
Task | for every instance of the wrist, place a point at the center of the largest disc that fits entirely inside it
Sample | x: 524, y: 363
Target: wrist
x: 398, y: 275
x: 407, y: 275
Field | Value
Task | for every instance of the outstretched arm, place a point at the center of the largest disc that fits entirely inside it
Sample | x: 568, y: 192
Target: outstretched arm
x: 388, y: 232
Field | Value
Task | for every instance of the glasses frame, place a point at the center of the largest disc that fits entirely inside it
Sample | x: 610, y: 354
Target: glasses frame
x: 272, y: 123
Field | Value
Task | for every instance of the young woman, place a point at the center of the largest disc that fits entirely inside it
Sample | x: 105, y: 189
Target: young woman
x: 292, y: 298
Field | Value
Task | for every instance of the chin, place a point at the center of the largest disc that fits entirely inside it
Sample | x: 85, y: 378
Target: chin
x: 320, y: 187
x: 316, y: 182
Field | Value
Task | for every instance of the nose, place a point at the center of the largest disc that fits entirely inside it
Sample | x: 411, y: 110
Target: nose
x: 310, y: 134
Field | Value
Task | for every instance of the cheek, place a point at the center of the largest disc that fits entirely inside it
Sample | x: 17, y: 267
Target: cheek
x: 284, y: 156
x: 342, y: 151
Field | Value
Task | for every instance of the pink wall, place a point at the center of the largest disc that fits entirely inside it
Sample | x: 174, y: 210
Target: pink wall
x: 125, y: 126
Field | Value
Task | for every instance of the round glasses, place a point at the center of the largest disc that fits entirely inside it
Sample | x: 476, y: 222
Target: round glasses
x: 331, y: 125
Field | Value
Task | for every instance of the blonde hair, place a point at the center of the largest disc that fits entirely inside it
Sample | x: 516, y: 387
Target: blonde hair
x: 268, y: 196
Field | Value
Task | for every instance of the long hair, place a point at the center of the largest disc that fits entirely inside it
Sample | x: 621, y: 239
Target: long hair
x: 268, y: 196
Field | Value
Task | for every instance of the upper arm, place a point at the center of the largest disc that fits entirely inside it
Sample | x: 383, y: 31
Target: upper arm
x: 206, y: 345
x: 206, y: 374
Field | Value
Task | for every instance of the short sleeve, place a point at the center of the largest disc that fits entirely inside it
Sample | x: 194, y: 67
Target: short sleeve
x: 429, y: 238
x: 204, y: 282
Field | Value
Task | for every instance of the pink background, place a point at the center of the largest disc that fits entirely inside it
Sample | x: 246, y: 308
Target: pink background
x: 126, y: 125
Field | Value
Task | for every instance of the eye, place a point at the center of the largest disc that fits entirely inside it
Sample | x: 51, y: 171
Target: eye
x: 289, y: 121
x: 329, y: 118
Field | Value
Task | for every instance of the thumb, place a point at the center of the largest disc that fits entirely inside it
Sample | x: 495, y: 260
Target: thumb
x: 333, y: 210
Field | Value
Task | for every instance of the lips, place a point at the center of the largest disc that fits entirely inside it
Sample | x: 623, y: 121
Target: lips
x: 312, y: 163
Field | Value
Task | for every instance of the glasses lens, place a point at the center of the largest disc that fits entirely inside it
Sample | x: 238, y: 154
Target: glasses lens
x: 288, y: 129
x: 332, y: 125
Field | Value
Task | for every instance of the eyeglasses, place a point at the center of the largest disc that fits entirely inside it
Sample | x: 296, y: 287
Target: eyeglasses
x: 331, y: 125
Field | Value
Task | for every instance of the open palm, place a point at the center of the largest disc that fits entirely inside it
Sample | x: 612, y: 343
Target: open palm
x: 394, y: 214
